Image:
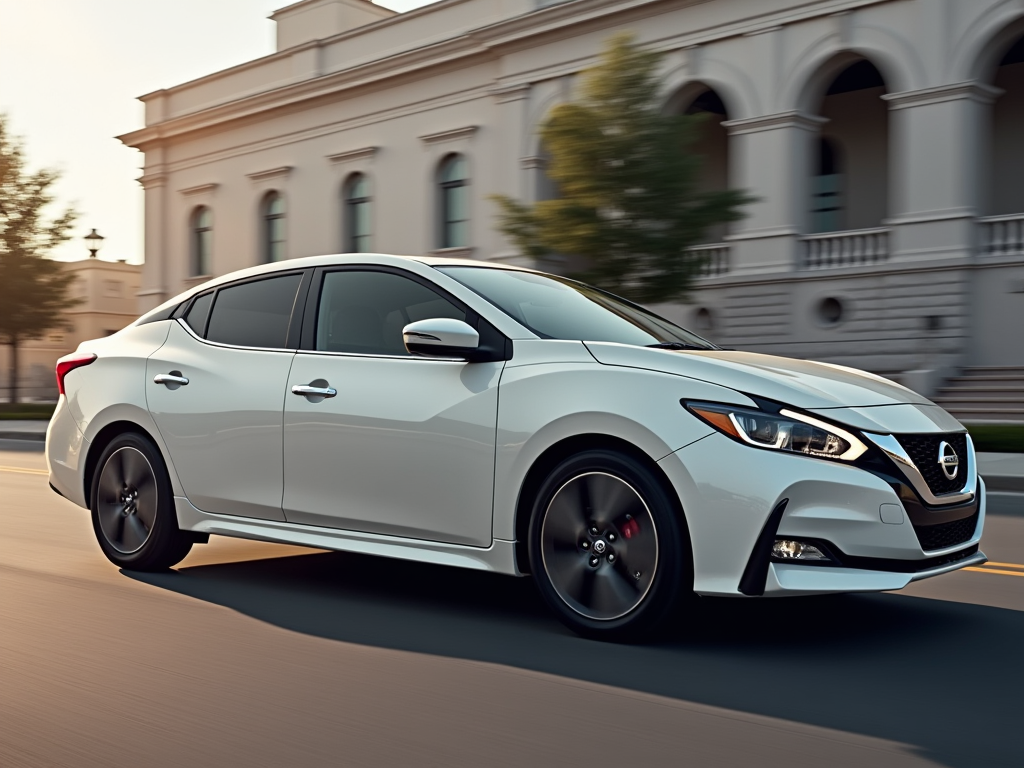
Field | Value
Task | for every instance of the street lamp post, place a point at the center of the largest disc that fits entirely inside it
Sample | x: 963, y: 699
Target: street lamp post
x: 95, y: 241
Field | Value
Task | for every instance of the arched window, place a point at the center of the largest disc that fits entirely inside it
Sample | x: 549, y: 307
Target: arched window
x: 454, y: 222
x: 357, y: 214
x: 273, y: 234
x: 850, y: 172
x: 202, y: 242
x: 1005, y: 193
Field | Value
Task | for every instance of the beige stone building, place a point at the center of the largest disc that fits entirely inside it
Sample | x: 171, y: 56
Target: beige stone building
x: 882, y: 138
x: 109, y: 294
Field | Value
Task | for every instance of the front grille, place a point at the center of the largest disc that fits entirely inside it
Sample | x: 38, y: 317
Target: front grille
x: 943, y: 535
x: 924, y: 452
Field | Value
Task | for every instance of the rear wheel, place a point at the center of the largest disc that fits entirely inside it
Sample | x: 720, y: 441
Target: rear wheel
x: 133, y: 508
x: 608, y: 547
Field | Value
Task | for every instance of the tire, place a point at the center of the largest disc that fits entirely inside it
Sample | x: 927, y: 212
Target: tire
x: 609, y: 547
x: 133, y: 513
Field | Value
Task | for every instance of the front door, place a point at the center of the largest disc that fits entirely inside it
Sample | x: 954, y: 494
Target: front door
x: 223, y: 427
x: 406, y: 445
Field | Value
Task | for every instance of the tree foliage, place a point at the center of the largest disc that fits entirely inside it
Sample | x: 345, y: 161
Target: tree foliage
x: 629, y: 201
x: 33, y: 289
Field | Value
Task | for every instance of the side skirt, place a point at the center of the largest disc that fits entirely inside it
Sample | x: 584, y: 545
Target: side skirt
x: 497, y: 558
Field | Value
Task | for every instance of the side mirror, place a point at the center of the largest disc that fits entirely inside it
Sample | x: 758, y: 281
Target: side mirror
x: 440, y: 337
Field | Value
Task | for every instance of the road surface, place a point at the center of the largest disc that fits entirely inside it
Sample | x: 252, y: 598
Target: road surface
x: 255, y: 654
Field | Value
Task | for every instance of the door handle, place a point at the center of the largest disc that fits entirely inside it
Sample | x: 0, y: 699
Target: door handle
x: 310, y: 391
x: 172, y: 378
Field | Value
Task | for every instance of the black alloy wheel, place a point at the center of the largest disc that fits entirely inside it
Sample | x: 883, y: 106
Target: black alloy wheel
x: 609, y: 547
x: 133, y: 509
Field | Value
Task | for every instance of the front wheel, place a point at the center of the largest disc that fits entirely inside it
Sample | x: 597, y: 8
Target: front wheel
x: 133, y: 508
x: 609, y: 547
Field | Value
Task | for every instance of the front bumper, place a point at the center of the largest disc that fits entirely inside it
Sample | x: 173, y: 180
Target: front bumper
x: 728, y: 492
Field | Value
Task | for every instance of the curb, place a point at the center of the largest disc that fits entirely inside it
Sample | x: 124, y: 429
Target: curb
x: 1004, y: 483
x: 36, y: 437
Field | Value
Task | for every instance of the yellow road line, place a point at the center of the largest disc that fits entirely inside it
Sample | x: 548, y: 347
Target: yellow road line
x: 996, y: 571
x: 1006, y: 565
x: 25, y: 470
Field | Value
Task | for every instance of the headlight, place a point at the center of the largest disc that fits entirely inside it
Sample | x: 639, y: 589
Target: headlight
x: 782, y: 431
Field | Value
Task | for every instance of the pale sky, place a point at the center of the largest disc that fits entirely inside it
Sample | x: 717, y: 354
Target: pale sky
x: 70, y: 74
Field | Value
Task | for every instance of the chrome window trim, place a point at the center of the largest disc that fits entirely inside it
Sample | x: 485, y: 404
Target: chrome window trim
x: 892, y: 448
x: 181, y: 321
x: 418, y: 358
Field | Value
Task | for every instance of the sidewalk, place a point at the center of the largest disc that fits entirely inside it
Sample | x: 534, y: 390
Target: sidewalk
x: 1002, y: 471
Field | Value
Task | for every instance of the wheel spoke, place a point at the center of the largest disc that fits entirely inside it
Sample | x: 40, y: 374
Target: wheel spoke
x: 611, y: 594
x: 613, y: 499
x: 135, y: 533
x: 135, y: 467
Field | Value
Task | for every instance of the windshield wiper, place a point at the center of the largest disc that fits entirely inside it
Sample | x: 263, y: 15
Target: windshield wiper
x: 675, y: 345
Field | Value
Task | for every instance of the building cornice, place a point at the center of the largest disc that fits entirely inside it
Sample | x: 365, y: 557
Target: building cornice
x: 151, y: 180
x: 480, y: 42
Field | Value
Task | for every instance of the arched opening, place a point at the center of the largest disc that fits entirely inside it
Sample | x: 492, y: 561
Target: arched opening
x: 272, y: 227
x: 850, y: 168
x: 201, y: 238
x: 1006, y: 189
x: 356, y: 214
x: 712, y: 146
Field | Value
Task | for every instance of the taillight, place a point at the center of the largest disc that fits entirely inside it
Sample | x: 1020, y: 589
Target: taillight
x: 68, y: 363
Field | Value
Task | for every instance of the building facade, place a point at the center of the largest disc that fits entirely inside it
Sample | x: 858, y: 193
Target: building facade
x: 108, y: 296
x: 882, y: 139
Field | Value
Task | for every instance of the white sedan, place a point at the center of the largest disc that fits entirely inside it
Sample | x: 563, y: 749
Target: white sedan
x: 508, y: 420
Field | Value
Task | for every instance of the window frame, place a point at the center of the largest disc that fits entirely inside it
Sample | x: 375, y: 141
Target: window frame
x: 494, y: 345
x: 443, y: 188
x: 295, y: 320
x: 195, y: 241
x: 266, y: 224
x: 350, y: 205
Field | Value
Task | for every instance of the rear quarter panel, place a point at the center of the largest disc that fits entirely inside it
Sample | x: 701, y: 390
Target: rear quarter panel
x: 114, y: 387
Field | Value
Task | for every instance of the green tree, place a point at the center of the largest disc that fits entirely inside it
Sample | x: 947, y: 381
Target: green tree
x: 629, y: 202
x: 33, y: 289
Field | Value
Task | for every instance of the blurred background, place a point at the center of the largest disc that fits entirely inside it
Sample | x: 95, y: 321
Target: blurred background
x: 879, y: 144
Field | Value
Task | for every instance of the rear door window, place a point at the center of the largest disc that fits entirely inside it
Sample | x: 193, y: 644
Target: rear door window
x: 254, y: 314
x: 199, y: 312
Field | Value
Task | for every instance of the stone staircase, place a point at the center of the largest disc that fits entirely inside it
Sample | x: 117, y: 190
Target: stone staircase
x: 984, y: 394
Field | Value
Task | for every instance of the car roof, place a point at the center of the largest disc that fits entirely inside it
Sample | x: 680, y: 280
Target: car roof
x: 327, y: 260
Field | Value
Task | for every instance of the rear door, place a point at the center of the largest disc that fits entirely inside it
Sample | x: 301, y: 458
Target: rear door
x: 233, y: 347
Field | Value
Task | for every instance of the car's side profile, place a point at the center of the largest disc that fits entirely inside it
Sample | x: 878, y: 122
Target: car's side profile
x: 502, y: 419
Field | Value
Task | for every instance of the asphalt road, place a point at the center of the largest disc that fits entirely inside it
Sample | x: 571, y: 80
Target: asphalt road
x: 253, y: 654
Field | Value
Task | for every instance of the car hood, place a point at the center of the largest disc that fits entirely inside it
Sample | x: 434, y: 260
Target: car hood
x: 799, y: 383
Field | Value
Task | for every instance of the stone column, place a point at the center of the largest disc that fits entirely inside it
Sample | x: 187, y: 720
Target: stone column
x: 938, y: 169
x: 771, y: 157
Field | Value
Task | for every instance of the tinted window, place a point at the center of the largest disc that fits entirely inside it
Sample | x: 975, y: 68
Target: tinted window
x: 198, y: 312
x: 365, y: 312
x: 254, y: 314
x: 558, y: 308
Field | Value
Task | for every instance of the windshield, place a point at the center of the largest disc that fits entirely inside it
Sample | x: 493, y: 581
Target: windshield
x: 559, y: 308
